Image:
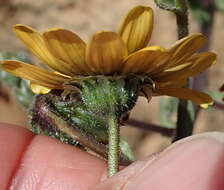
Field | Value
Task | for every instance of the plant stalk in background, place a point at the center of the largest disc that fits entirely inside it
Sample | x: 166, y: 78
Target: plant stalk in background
x: 185, y: 115
x: 185, y: 122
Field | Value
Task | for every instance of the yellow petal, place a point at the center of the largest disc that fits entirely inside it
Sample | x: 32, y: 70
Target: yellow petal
x: 185, y: 48
x: 35, y: 42
x: 146, y: 61
x: 38, y: 89
x: 175, y: 83
x: 105, y: 53
x: 67, y: 46
x: 136, y: 28
x: 34, y: 74
x: 195, y: 65
x: 200, y: 98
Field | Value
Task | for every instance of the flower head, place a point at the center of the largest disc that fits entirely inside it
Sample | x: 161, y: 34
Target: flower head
x: 163, y: 71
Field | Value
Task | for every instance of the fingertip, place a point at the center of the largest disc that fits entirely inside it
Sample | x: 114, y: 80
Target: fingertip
x: 63, y: 166
x: 13, y: 142
x: 195, y: 163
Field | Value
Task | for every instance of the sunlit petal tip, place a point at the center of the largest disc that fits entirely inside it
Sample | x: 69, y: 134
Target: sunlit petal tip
x: 206, y: 105
x: 136, y: 28
x: 193, y: 37
x: 23, y: 28
x: 214, y: 58
x: 101, y: 31
x: 63, y: 75
x: 52, y: 29
x: 38, y: 89
x: 154, y: 48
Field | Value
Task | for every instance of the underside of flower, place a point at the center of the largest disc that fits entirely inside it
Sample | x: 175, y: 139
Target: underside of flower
x: 114, y: 54
x: 80, y: 113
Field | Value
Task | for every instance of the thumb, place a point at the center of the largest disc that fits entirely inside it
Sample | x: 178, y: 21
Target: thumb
x: 195, y: 163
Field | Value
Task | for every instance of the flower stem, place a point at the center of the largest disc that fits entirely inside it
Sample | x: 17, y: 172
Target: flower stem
x: 182, y: 24
x: 184, y: 121
x: 114, y: 148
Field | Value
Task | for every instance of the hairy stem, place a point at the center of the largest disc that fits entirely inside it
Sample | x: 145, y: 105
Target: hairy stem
x: 114, y: 148
x: 184, y: 121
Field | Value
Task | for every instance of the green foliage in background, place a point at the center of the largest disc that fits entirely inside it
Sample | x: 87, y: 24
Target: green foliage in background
x: 168, y: 112
x: 216, y: 95
x: 175, y: 6
x: 19, y: 86
x: 219, y: 5
x: 201, y: 11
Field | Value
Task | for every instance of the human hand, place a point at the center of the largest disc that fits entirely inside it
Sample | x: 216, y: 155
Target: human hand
x: 30, y: 162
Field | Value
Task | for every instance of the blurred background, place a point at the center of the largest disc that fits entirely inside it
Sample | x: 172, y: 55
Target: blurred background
x: 85, y: 17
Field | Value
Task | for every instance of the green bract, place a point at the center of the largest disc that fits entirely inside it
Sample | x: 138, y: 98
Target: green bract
x: 80, y: 117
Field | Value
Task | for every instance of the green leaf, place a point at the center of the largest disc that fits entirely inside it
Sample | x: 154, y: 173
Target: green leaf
x: 126, y: 150
x: 168, y: 111
x: 20, y: 87
x: 191, y: 110
x: 176, y: 6
x: 216, y: 95
x: 219, y: 5
x: 200, y: 12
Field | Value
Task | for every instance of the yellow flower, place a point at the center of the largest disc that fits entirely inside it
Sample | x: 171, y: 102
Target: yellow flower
x: 114, y: 54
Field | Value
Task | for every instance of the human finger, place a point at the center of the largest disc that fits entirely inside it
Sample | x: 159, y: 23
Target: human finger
x: 195, y: 163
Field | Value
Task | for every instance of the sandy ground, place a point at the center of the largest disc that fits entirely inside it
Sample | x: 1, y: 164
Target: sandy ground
x: 87, y: 17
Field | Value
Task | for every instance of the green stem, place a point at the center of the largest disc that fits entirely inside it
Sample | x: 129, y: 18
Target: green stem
x: 182, y: 18
x: 182, y: 24
x: 184, y: 121
x: 114, y: 148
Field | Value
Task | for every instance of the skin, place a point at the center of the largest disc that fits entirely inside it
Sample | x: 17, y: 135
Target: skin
x: 29, y: 162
